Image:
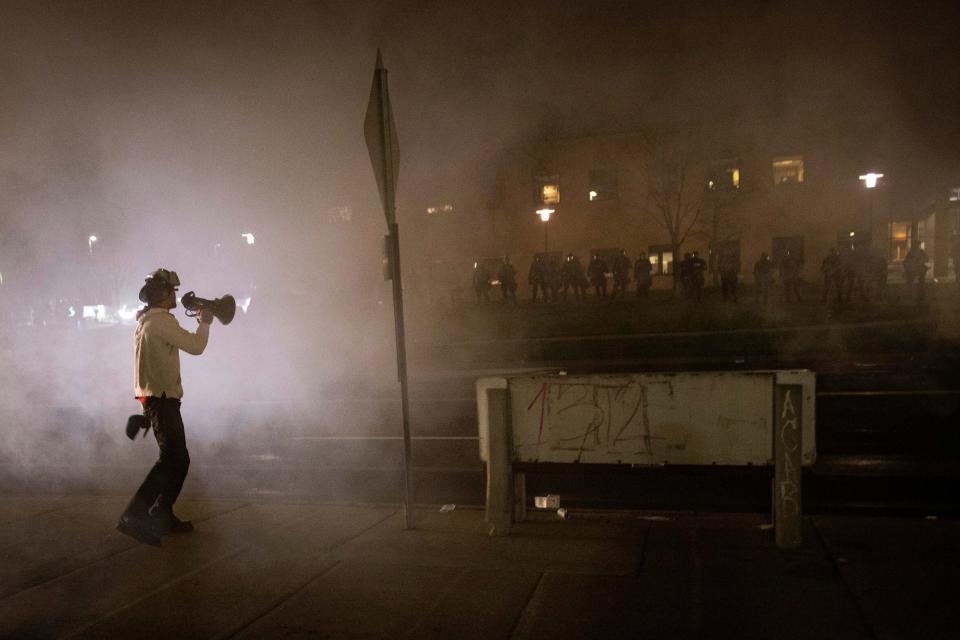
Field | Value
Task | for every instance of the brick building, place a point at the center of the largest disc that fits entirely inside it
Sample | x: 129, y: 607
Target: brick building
x: 747, y: 188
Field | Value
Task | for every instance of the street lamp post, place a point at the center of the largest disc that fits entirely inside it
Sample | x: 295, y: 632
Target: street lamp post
x: 545, y: 214
x: 92, y: 240
x: 870, y: 181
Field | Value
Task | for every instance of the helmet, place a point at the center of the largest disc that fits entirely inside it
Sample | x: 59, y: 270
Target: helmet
x: 165, y: 276
x: 158, y: 285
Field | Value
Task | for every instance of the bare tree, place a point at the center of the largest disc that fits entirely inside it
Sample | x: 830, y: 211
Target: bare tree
x: 674, y: 194
x: 723, y: 217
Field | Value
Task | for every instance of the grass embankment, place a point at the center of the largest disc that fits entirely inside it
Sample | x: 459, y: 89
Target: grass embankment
x: 664, y: 326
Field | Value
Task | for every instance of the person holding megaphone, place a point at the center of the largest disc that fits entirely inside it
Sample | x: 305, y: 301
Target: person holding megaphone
x: 158, y: 341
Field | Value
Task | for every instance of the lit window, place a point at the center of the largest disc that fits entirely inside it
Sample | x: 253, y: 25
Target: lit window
x: 724, y: 175
x: 444, y: 208
x: 955, y: 194
x: 548, y: 189
x: 899, y: 240
x: 603, y: 185
x: 550, y: 193
x: 661, y: 259
x: 788, y: 170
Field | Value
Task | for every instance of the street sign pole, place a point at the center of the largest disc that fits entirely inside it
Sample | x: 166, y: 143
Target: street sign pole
x: 402, y: 372
x: 384, y: 152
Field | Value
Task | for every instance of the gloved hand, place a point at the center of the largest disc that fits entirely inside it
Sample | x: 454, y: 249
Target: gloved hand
x: 135, y: 423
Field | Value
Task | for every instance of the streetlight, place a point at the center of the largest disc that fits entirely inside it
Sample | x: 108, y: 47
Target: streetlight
x: 249, y: 237
x: 870, y: 181
x: 92, y: 240
x: 545, y: 214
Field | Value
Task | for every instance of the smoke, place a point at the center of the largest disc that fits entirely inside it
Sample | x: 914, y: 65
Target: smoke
x: 136, y: 137
x: 167, y: 130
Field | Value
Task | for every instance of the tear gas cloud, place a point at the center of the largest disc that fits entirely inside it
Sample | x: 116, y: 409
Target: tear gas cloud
x: 167, y: 130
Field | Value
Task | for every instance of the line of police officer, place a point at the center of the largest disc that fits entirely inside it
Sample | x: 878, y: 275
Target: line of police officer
x: 553, y: 283
x: 864, y: 271
x: 846, y: 272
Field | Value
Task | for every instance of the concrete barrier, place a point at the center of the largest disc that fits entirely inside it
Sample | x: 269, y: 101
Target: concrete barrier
x: 703, y: 418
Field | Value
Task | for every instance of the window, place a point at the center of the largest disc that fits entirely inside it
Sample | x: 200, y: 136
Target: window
x: 661, y: 259
x: 603, y: 185
x: 788, y: 170
x: 899, y: 240
x: 955, y: 194
x: 444, y: 208
x: 548, y: 189
x: 724, y: 175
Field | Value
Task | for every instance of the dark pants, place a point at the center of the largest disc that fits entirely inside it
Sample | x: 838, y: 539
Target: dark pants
x: 619, y: 287
x: 163, y: 484
x: 728, y: 286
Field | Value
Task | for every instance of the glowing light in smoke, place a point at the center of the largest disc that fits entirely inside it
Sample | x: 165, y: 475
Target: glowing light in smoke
x: 870, y: 179
x: 97, y: 312
x: 249, y: 237
x: 127, y: 313
x: 545, y: 214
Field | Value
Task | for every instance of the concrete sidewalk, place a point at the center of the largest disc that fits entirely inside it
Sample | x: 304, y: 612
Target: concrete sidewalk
x: 279, y: 570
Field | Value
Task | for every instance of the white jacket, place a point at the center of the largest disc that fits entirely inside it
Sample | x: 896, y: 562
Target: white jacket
x: 158, y: 341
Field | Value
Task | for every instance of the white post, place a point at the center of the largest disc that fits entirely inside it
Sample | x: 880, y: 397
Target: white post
x: 788, y: 465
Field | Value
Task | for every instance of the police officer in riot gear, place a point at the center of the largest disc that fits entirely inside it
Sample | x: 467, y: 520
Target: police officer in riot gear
x: 621, y: 273
x: 697, y: 271
x: 642, y: 270
x: 481, y: 282
x: 729, y: 266
x: 597, y: 272
x: 537, y: 278
x: 508, y: 280
x: 762, y: 277
x: 915, y: 269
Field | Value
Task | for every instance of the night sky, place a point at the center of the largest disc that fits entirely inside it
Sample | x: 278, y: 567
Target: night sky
x: 189, y: 118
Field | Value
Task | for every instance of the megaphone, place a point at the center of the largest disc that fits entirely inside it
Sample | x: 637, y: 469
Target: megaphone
x: 223, y: 308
